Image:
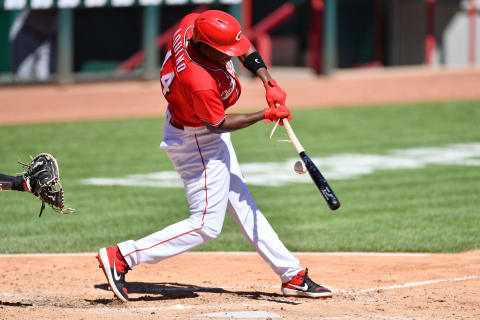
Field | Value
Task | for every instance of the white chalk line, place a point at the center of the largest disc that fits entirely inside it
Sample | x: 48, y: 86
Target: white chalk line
x: 91, y: 254
x: 405, y: 285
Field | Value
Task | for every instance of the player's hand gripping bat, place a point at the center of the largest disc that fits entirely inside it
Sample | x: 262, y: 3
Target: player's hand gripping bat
x: 315, y: 174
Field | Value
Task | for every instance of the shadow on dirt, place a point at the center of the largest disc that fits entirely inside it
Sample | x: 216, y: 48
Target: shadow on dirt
x: 174, y: 290
x: 15, y: 304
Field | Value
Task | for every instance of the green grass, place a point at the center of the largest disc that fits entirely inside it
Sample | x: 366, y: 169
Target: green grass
x: 433, y: 209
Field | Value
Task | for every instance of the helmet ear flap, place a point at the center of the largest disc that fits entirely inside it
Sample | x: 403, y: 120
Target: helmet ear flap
x: 195, y: 35
x: 198, y: 38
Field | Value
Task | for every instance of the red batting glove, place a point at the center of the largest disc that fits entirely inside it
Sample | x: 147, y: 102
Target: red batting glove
x: 274, y: 94
x: 279, y: 112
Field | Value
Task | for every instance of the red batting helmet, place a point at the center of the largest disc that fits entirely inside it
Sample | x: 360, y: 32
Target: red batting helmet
x: 221, y: 31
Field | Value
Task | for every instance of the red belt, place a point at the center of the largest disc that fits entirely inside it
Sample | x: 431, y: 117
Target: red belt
x: 176, y: 124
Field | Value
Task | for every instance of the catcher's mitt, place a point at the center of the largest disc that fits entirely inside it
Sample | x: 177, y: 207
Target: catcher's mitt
x: 43, y: 180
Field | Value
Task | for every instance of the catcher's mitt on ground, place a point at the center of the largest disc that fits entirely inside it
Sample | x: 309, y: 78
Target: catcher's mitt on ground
x: 43, y: 180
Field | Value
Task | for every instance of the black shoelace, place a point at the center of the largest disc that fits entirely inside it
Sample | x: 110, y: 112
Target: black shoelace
x: 306, y: 280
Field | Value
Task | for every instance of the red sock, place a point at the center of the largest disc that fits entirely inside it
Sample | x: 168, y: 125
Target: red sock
x: 123, y: 263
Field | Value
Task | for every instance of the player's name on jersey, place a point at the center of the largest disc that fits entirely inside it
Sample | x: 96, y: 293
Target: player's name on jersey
x: 65, y: 4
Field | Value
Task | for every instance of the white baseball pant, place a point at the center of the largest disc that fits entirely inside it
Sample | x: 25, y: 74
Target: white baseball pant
x: 208, y: 166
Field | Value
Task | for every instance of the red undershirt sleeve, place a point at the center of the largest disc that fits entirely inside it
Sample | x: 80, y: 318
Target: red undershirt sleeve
x: 209, y: 107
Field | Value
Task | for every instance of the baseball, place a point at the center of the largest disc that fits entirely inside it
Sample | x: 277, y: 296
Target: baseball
x: 300, y: 167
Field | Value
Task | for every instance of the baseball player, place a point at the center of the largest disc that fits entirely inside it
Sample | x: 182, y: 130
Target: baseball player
x: 199, y: 82
x: 33, y: 42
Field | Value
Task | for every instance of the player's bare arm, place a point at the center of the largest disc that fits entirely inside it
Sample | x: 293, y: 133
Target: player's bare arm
x: 236, y: 121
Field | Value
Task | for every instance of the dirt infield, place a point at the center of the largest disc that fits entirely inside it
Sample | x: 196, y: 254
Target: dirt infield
x: 242, y: 286
x: 143, y: 99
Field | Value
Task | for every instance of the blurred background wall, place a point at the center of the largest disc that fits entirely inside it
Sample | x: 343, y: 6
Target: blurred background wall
x: 359, y: 33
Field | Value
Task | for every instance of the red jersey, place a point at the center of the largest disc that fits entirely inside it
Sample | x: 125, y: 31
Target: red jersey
x: 197, y: 90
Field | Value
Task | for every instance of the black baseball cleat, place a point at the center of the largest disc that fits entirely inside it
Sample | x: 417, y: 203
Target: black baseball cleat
x: 302, y: 286
x: 114, y: 267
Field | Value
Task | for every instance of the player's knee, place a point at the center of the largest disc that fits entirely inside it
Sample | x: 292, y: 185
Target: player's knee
x: 211, y: 231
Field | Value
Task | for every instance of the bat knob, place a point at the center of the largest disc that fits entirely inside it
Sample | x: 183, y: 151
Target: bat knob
x: 334, y: 205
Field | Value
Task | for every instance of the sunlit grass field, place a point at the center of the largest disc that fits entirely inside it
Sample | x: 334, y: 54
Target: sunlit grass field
x: 431, y: 209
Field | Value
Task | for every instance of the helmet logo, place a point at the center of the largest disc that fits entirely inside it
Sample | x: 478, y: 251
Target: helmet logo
x: 238, y: 35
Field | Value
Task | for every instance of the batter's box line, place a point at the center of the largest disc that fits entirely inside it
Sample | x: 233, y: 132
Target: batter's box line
x: 405, y: 285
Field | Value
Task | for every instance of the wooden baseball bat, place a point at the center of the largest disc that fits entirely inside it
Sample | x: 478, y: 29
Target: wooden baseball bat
x: 317, y: 177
